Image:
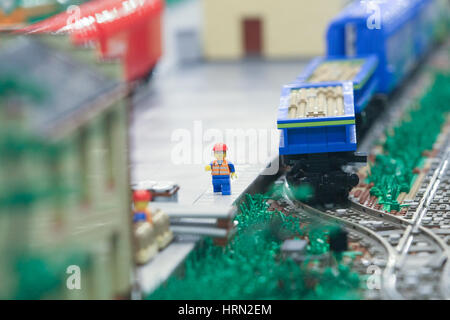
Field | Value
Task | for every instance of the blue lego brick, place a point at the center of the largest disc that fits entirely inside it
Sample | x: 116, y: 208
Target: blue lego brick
x: 369, y: 64
x: 364, y: 83
x: 139, y: 216
x: 363, y: 96
x: 318, y: 140
x: 347, y: 118
x: 317, y: 134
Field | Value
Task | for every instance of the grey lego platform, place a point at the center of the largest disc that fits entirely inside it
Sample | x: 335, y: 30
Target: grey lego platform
x: 200, y: 97
x: 218, y: 96
x: 247, y: 174
x: 221, y: 95
x: 151, y: 275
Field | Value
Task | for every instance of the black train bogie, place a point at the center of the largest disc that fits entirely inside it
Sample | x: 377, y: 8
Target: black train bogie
x: 324, y: 173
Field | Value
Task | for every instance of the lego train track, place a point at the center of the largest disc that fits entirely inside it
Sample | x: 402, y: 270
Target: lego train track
x: 420, y: 256
x: 413, y: 263
x: 416, y: 258
x: 387, y: 263
x: 437, y: 180
x: 384, y: 256
x: 423, y: 267
x: 401, y: 277
x: 416, y: 240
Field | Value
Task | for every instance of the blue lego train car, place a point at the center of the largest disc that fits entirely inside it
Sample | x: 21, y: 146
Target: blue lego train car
x: 362, y: 75
x: 397, y: 32
x: 318, y: 136
x: 320, y: 113
x: 332, y: 129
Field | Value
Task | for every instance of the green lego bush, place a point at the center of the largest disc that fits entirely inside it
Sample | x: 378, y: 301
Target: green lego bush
x: 250, y: 267
x: 392, y: 171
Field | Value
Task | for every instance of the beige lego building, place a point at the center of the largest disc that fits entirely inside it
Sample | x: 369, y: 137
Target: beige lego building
x: 234, y: 29
x: 64, y: 198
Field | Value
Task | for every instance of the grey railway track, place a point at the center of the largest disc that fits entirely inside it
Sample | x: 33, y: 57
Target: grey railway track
x: 421, y: 212
x: 406, y: 273
x: 420, y: 257
x: 414, y: 258
x: 350, y: 218
x: 383, y: 253
x: 419, y: 240
x: 421, y: 266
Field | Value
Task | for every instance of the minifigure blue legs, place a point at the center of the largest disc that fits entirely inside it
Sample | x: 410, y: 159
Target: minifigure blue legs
x: 221, y: 183
x: 221, y: 170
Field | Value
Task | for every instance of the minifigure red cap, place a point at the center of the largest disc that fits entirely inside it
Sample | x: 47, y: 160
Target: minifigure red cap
x: 142, y: 195
x: 220, y: 147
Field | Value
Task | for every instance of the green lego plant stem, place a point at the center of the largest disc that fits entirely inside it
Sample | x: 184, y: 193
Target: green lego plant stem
x: 17, y: 144
x: 41, y: 274
x: 250, y: 266
x: 392, y: 172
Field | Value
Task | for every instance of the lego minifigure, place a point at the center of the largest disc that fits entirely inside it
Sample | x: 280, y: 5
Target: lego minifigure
x: 144, y: 230
x: 221, y: 170
x: 161, y: 223
x: 141, y: 198
x: 151, y: 228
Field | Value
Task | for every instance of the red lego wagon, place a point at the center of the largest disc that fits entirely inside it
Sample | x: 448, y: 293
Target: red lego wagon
x: 129, y: 30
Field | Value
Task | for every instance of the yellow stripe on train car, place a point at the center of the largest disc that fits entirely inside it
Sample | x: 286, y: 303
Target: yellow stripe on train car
x: 315, y: 124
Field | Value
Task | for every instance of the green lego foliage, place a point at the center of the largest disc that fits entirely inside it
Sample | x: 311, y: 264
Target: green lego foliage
x: 41, y: 274
x: 392, y: 172
x: 27, y: 176
x: 19, y: 145
x: 301, y: 192
x: 318, y: 241
x: 251, y: 267
x: 15, y: 86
